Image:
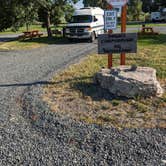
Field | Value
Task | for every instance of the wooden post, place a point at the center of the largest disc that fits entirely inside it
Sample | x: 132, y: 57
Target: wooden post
x: 123, y: 30
x: 110, y: 55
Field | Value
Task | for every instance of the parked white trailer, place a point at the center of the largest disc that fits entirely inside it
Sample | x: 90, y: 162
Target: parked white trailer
x: 86, y: 23
x: 159, y: 16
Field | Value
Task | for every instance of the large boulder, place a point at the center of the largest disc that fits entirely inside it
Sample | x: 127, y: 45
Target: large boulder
x: 129, y: 82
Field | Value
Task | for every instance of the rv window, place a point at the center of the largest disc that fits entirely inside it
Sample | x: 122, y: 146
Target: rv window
x: 95, y: 19
x: 81, y: 19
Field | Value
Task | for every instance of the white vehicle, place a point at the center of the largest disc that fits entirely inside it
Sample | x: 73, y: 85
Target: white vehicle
x: 155, y: 16
x: 86, y: 23
x: 159, y: 16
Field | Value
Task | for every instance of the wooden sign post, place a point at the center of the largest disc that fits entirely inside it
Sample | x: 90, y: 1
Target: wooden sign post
x: 110, y: 55
x: 122, y: 3
x: 123, y: 30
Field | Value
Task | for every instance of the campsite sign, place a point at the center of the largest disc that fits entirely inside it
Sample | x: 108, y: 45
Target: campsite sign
x: 117, y: 43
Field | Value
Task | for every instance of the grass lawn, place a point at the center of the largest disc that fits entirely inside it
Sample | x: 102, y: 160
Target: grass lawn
x: 17, y: 45
x: 22, y: 29
x: 147, y: 24
x: 38, y: 27
x: 30, y: 43
x: 72, y: 92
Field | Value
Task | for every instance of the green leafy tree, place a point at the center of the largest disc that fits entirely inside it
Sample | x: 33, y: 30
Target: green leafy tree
x: 7, y: 14
x: 26, y: 13
x: 135, y: 9
x: 146, y: 5
x: 16, y: 13
x: 95, y: 3
x: 157, y: 5
x: 52, y: 11
x: 149, y: 6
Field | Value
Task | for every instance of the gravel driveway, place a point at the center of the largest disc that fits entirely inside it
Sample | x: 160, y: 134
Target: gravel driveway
x: 6, y: 37
x: 31, y: 135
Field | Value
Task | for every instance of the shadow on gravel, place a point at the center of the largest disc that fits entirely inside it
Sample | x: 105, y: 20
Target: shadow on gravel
x: 42, y: 82
x: 54, y: 40
x: 77, y: 83
x: 27, y: 84
x: 6, y: 39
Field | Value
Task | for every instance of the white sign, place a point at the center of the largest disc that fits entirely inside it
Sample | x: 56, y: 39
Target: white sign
x: 117, y: 2
x: 110, y: 19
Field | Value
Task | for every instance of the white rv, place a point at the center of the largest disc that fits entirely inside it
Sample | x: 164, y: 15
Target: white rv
x: 86, y: 23
x: 159, y: 16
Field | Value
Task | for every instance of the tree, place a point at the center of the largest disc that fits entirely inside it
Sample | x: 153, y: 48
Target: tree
x: 18, y: 12
x: 95, y: 3
x: 157, y: 5
x: 6, y: 14
x: 146, y: 5
x: 26, y: 13
x: 135, y: 9
x: 15, y: 13
x: 151, y: 6
x: 52, y: 10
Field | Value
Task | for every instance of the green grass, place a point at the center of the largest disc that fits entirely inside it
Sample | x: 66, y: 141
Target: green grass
x: 31, y: 43
x: 147, y: 24
x: 31, y: 27
x: 92, y: 104
x: 22, y: 29
x: 38, y: 27
x: 151, y: 40
x: 17, y: 45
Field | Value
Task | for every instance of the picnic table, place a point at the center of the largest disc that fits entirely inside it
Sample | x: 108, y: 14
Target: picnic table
x: 147, y: 30
x: 31, y: 34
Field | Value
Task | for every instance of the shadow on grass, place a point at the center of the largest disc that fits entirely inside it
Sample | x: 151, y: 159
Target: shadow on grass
x: 95, y: 91
x: 152, y: 39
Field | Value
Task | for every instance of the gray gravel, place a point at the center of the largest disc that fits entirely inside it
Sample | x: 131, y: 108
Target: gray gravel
x: 8, y: 37
x: 52, y: 140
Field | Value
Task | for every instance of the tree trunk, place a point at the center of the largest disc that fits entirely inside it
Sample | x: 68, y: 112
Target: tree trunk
x: 27, y: 27
x: 48, y: 25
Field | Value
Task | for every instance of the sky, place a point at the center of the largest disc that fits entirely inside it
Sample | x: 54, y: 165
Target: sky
x: 79, y: 4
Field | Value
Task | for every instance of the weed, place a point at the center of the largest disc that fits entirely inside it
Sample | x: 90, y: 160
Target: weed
x: 141, y: 107
x: 131, y: 114
x: 115, y: 102
x: 106, y: 118
x: 105, y: 105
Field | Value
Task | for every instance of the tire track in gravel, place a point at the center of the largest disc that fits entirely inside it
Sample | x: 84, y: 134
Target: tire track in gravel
x: 19, y: 69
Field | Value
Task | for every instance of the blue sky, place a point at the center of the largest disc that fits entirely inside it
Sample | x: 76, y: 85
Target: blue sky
x: 79, y: 4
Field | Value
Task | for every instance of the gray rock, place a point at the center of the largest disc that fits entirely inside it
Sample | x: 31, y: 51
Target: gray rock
x: 126, y: 82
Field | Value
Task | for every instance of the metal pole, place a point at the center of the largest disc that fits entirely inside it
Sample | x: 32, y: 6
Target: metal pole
x: 123, y: 30
x: 110, y: 55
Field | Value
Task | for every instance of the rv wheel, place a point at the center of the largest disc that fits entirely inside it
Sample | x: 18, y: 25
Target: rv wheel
x: 92, y: 39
